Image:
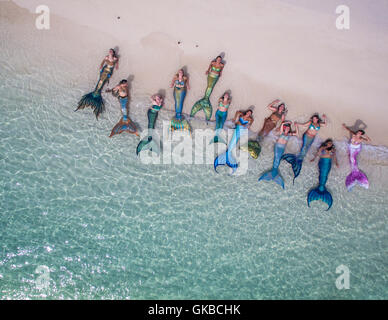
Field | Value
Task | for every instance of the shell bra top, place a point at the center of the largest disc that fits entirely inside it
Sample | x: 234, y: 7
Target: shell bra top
x: 216, y: 69
x: 156, y: 108
x: 276, y: 116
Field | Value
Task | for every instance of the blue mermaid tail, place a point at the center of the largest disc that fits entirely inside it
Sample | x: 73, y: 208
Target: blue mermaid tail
x: 296, y: 161
x: 178, y: 122
x: 227, y: 157
x: 273, y: 174
x: 320, y: 193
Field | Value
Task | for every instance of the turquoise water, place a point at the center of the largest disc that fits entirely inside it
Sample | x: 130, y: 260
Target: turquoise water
x: 103, y: 225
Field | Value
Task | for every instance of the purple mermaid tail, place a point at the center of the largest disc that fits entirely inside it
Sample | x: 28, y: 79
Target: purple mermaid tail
x: 356, y: 176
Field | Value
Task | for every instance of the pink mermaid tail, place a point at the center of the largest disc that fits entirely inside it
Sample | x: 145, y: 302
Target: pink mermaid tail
x: 356, y: 176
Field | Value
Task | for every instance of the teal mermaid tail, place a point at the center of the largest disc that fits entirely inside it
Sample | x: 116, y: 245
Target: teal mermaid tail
x: 94, y: 99
x: 296, y: 161
x: 149, y: 143
x: 273, y: 174
x: 320, y: 193
x: 220, y: 121
x: 217, y: 139
x: 178, y: 122
x: 204, y: 103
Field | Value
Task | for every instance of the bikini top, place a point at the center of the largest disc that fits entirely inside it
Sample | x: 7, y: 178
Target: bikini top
x: 226, y: 106
x: 155, y: 107
x: 242, y: 121
x: 283, y: 136
x: 216, y: 69
x: 181, y: 83
x: 314, y: 127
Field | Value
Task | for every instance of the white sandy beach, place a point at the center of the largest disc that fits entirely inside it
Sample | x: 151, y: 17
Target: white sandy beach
x: 273, y: 49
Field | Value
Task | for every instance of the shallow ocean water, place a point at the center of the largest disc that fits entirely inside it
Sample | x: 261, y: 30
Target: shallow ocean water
x: 83, y: 217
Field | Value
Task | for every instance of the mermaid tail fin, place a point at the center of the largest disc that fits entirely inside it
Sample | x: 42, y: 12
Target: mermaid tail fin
x: 179, y: 124
x: 253, y: 147
x: 124, y: 126
x: 225, y: 159
x: 93, y: 100
x: 295, y: 162
x: 217, y: 139
x: 356, y: 177
x: 203, y: 104
x: 148, y: 144
x: 320, y: 193
x: 273, y: 175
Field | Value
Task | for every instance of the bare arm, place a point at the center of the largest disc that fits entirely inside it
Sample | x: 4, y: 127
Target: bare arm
x: 208, y: 69
x: 271, y: 105
x: 117, y: 64
x: 324, y: 122
x: 316, y: 154
x: 296, y: 133
x: 334, y: 156
x: 102, y: 63
x: 348, y: 129
x: 172, y: 82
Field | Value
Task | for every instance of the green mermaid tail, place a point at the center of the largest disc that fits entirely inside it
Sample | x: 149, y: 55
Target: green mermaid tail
x: 148, y: 143
x: 94, y: 99
x: 253, y: 147
x: 204, y: 103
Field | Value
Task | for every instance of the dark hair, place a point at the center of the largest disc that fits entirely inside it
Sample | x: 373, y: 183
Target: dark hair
x: 217, y: 58
x: 316, y: 115
x: 326, y: 142
x: 114, y: 52
x: 123, y: 81
x: 362, y: 131
x: 249, y: 110
x: 282, y: 104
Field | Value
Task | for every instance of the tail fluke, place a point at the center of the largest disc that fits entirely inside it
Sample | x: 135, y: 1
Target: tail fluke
x: 320, y: 194
x: 94, y: 101
x: 226, y: 159
x: 217, y: 139
x: 124, y: 126
x: 295, y: 162
x: 203, y: 104
x: 253, y: 147
x: 148, y: 144
x: 356, y: 177
x: 272, y: 175
x: 180, y: 124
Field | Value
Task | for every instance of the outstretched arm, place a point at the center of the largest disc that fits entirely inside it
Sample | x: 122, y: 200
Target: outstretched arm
x: 348, y: 129
x: 324, y: 122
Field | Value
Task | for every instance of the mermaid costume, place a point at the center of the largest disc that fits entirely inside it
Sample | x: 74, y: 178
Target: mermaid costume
x: 178, y: 122
x: 220, y: 121
x: 320, y: 193
x: 356, y: 176
x: 297, y: 160
x: 227, y: 157
x: 148, y: 142
x: 273, y: 174
x: 94, y: 99
x: 204, y: 103
x: 125, y: 124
